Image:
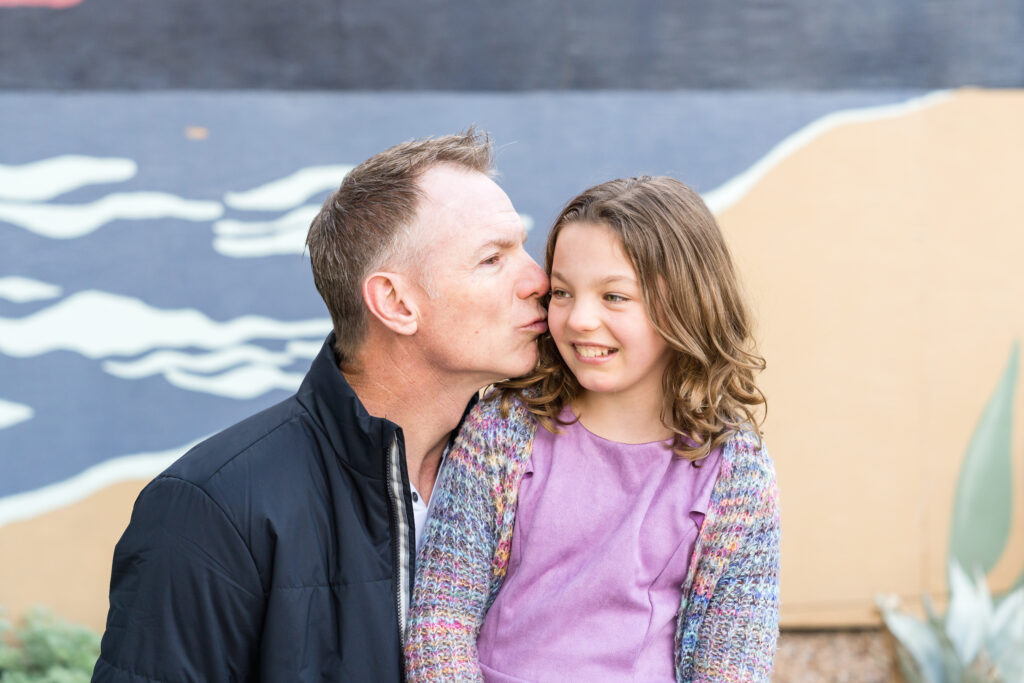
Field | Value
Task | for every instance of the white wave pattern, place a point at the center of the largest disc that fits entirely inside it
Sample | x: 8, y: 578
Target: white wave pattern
x: 259, y: 373
x: 49, y: 178
x: 286, y: 235
x: 252, y: 239
x: 245, y: 382
x: 140, y: 466
x: 12, y: 413
x: 162, y: 361
x: 732, y: 191
x: 21, y: 290
x: 303, y: 349
x: 107, y: 324
x: 286, y: 192
x: 67, y: 221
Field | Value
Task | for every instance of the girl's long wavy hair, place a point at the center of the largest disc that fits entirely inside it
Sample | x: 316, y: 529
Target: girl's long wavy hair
x: 693, y: 299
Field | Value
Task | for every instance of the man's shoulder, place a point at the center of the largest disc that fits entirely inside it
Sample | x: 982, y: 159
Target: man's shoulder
x: 250, y: 447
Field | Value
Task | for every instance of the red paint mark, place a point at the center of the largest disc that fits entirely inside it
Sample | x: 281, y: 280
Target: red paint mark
x: 52, y: 4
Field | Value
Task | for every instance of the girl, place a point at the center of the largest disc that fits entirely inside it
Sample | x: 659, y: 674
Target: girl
x: 614, y: 515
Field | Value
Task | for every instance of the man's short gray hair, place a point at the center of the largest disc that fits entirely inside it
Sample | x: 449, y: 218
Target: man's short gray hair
x: 364, y: 224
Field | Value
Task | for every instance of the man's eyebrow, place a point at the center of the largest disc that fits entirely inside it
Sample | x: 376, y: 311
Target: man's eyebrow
x: 507, y: 242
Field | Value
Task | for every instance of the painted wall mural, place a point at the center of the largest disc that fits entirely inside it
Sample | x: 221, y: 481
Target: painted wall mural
x: 153, y: 290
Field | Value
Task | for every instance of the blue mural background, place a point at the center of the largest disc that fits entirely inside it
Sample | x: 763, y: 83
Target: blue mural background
x: 549, y: 147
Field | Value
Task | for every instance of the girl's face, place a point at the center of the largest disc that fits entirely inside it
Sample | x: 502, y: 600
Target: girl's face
x: 597, y: 316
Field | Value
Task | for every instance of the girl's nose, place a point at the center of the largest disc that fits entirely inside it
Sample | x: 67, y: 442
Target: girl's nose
x: 583, y: 316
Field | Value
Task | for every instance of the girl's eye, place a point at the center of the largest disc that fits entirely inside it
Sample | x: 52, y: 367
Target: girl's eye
x: 615, y: 298
x: 559, y: 294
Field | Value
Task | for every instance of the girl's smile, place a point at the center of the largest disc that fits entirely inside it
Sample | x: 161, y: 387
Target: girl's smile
x: 589, y: 353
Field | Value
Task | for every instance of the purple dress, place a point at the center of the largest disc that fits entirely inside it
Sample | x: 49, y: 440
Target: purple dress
x: 603, y: 537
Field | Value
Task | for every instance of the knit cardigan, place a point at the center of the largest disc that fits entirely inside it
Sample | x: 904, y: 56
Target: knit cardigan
x: 727, y: 623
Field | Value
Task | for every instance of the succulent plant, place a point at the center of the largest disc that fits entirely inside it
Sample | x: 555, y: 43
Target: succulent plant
x: 976, y: 640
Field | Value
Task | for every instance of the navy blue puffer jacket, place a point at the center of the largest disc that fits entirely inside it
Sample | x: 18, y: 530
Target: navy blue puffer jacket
x: 279, y: 550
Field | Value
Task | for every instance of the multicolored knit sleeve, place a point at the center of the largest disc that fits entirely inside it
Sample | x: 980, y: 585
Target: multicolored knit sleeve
x: 731, y: 622
x: 468, y: 538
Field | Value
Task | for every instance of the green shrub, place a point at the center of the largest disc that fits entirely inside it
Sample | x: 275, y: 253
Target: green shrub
x: 45, y: 649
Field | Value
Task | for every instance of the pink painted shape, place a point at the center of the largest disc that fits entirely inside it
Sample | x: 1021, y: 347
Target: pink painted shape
x: 53, y: 4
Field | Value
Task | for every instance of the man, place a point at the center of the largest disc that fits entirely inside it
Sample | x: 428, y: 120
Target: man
x: 282, y: 549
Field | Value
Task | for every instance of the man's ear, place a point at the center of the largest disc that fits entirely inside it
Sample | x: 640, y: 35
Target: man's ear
x: 388, y: 297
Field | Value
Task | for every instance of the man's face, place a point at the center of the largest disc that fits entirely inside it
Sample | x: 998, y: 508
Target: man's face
x: 484, y: 314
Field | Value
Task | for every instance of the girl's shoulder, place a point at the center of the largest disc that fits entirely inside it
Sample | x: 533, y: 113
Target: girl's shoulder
x: 499, y: 421
x: 746, y: 461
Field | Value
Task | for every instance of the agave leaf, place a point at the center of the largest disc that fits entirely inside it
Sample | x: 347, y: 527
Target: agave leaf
x: 981, y: 511
x: 929, y: 609
x: 952, y: 666
x: 1006, y: 629
x: 920, y: 642
x: 1010, y: 613
x: 968, y: 614
x: 983, y: 594
x: 908, y: 668
x: 1010, y: 667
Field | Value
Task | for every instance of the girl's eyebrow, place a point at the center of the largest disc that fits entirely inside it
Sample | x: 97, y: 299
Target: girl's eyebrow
x: 603, y: 281
x: 618, y: 278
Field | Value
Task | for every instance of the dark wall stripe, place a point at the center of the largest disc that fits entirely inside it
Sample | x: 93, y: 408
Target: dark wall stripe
x: 513, y: 45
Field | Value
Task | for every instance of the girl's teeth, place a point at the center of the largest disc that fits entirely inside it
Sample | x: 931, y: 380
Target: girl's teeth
x: 592, y: 351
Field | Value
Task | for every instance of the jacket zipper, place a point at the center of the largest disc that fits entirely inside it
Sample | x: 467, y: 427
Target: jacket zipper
x: 400, y: 550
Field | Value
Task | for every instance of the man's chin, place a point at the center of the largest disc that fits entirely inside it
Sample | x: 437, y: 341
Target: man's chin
x: 522, y: 363
x: 527, y: 366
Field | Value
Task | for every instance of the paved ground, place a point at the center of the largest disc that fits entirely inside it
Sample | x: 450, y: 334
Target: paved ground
x: 862, y: 656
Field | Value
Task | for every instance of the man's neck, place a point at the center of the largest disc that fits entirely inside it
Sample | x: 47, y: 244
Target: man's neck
x: 426, y: 406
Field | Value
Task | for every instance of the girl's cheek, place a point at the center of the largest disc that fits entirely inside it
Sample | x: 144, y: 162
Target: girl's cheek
x: 556, y: 322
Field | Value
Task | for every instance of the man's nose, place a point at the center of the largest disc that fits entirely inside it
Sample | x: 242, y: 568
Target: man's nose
x: 534, y: 281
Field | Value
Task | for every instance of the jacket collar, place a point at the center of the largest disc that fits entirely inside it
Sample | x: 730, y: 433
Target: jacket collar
x: 358, y: 438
